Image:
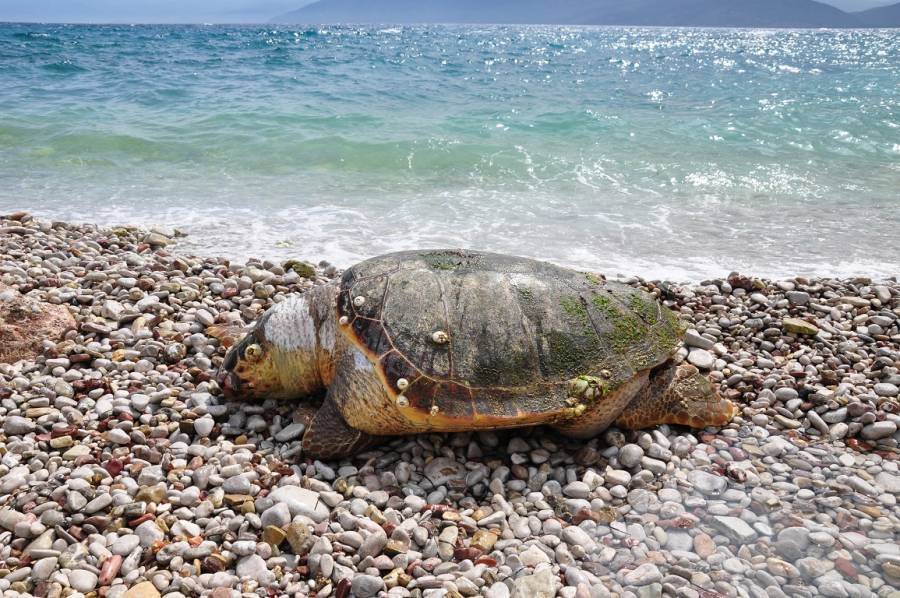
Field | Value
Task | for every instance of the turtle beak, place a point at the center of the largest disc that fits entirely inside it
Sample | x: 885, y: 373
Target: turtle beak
x: 229, y: 383
x: 227, y: 380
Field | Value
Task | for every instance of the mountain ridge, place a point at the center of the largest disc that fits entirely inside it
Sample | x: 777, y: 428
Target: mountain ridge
x: 881, y: 16
x: 689, y: 13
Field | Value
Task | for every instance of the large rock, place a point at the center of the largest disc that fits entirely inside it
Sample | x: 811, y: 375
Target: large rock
x: 25, y: 322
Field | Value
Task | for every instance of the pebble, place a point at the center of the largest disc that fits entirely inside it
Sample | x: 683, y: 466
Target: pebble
x: 146, y: 589
x: 708, y: 484
x: 533, y: 556
x: 204, y: 426
x: 254, y: 567
x: 630, y: 455
x: 879, y: 430
x: 702, y: 358
x: 82, y: 580
x: 885, y: 389
x: 642, y: 575
x: 124, y: 545
x: 736, y: 529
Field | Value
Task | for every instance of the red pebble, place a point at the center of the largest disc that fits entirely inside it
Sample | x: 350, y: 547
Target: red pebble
x: 343, y: 588
x: 467, y: 554
x: 114, y: 467
x: 141, y: 519
x: 846, y: 568
x: 110, y: 569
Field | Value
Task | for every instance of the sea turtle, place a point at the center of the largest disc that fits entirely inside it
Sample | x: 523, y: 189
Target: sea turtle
x: 451, y: 340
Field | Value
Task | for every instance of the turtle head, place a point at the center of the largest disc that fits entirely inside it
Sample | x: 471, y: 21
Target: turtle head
x: 677, y: 394
x: 695, y: 401
x: 277, y: 359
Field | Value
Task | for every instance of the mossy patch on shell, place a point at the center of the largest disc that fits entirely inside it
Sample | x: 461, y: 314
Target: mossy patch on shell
x: 526, y: 294
x: 626, y: 329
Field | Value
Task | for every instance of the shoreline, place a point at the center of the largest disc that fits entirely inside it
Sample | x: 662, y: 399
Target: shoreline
x: 124, y: 473
x: 184, y: 239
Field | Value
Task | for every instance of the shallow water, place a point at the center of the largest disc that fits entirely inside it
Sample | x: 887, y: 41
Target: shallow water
x: 673, y: 153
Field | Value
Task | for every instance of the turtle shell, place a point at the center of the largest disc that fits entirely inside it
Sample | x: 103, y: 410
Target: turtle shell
x: 472, y: 335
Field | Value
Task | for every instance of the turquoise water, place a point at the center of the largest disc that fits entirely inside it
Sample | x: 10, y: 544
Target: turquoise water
x: 665, y: 152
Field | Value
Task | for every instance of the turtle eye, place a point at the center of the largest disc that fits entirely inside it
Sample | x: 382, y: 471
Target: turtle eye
x: 253, y: 353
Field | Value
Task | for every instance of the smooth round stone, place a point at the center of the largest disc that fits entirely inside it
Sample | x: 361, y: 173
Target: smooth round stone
x: 118, y: 436
x: 679, y: 540
x: 123, y: 545
x: 760, y: 419
x: 365, y: 586
x: 43, y: 568
x: 879, y: 430
x: 82, y: 580
x: 278, y: 515
x: 707, y: 483
x: 669, y: 495
x: 799, y: 536
x: 630, y: 455
x: 885, y: 389
x: 821, y: 539
x: 237, y: 485
x: 702, y: 358
x: 785, y: 394
x: 204, y: 426
x: 577, y: 490
x: 617, y: 477
x: 734, y: 566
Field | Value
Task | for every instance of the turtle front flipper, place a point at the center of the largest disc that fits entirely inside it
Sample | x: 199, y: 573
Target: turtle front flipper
x: 677, y: 395
x: 329, y: 436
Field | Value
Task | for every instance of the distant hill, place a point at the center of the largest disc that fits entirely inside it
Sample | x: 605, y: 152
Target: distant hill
x: 883, y: 16
x: 691, y: 13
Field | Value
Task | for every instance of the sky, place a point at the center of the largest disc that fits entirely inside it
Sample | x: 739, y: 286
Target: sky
x: 196, y: 11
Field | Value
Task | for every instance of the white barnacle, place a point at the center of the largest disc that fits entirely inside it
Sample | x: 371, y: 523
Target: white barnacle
x: 344, y: 320
x: 434, y: 409
x: 606, y: 373
x: 402, y: 383
x: 578, y: 385
x: 359, y: 300
x: 440, y: 337
x: 402, y: 401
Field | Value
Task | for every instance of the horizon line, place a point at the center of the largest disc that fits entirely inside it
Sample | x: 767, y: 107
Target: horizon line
x: 420, y: 23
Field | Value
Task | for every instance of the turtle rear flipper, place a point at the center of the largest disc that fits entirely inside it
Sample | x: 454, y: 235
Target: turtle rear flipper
x: 678, y: 395
x: 329, y: 436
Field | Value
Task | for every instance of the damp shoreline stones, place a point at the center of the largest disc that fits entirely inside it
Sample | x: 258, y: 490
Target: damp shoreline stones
x: 123, y: 472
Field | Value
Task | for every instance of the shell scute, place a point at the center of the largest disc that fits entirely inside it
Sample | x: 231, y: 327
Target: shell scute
x: 420, y: 394
x: 413, y: 309
x: 367, y: 297
x: 395, y: 366
x: 453, y: 401
x: 372, y: 335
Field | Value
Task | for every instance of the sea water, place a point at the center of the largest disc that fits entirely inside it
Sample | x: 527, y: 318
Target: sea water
x: 666, y: 152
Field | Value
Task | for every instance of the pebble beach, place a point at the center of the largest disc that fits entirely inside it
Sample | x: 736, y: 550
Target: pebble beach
x: 123, y: 471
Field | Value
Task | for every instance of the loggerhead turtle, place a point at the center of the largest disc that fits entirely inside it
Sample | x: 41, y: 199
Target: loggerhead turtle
x: 448, y: 341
